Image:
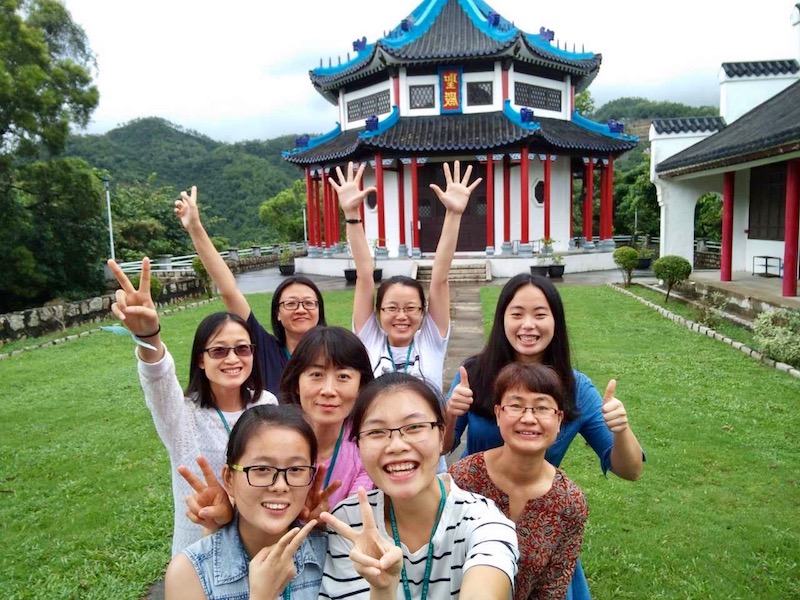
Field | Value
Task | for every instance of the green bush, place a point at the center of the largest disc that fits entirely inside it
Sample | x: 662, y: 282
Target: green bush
x: 778, y: 335
x: 286, y: 257
x: 706, y: 308
x: 672, y: 270
x: 156, y: 286
x: 626, y: 258
x: 202, y: 275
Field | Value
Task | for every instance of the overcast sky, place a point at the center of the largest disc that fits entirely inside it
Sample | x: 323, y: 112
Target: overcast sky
x: 238, y: 69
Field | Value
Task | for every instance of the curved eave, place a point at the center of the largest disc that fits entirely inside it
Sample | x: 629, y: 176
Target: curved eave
x: 701, y: 163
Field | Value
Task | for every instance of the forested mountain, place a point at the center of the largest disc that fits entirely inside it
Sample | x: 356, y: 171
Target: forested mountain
x: 633, y: 108
x: 233, y: 179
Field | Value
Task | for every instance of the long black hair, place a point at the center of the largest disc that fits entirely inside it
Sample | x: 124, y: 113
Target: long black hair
x: 199, y: 388
x: 497, y: 353
x: 268, y: 415
x: 277, y: 326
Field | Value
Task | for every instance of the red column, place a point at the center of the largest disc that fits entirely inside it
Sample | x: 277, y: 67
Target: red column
x: 315, y: 211
x: 415, y: 201
x: 571, y: 191
x: 504, y: 83
x: 524, y: 185
x: 335, y: 226
x: 489, y: 201
x: 379, y: 185
x: 603, y: 200
x: 547, y: 182
x: 726, y: 257
x: 396, y: 88
x: 610, y: 205
x: 792, y: 225
x: 326, y: 210
x: 588, y: 202
x: 506, y: 198
x: 401, y: 198
x: 309, y: 214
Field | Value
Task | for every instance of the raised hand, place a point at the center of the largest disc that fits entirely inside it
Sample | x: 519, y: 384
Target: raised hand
x: 461, y: 399
x: 186, y: 209
x: 134, y: 307
x: 272, y: 569
x: 317, y: 500
x: 374, y: 556
x: 458, y: 191
x: 614, y: 413
x: 347, y: 189
x: 209, y: 506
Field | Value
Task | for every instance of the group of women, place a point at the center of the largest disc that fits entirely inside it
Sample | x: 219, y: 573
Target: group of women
x: 312, y: 417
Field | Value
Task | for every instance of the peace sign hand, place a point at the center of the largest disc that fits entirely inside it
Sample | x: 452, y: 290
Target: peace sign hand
x: 186, y: 209
x: 209, y: 506
x: 272, y: 569
x: 374, y: 556
x: 614, y: 413
x: 134, y: 307
x: 318, y: 500
x: 457, y: 194
x: 350, y: 197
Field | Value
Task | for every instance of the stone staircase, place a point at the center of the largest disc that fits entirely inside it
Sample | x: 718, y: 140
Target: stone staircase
x: 473, y: 271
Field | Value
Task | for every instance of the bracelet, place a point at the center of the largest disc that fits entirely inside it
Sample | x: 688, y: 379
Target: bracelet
x: 149, y: 335
x: 352, y: 221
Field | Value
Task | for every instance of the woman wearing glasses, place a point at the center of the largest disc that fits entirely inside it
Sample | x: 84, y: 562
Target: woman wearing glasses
x: 264, y: 553
x: 530, y: 328
x: 452, y: 542
x: 297, y: 304
x: 548, y: 509
x: 404, y: 335
x: 222, y: 384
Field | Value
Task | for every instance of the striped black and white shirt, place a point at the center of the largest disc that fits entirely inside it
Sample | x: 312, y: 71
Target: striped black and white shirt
x: 472, y: 532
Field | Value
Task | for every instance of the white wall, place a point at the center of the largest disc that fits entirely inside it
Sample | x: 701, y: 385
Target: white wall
x: 740, y: 95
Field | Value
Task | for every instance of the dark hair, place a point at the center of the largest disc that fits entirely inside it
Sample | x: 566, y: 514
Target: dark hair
x: 534, y: 378
x: 336, y: 346
x: 277, y: 326
x: 392, y: 383
x: 199, y: 388
x: 399, y: 280
x: 268, y: 415
x: 497, y: 353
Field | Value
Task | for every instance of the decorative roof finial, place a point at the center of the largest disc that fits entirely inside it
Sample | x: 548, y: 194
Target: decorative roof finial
x: 546, y: 34
x: 526, y: 114
x: 494, y: 18
x: 301, y: 141
x: 615, y: 126
x: 406, y: 24
x: 360, y: 45
x: 372, y: 123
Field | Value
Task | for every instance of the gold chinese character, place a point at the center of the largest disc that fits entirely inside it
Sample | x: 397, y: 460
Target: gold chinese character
x: 450, y: 100
x: 450, y: 81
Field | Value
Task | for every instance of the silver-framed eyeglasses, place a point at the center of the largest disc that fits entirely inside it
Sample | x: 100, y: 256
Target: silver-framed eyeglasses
x: 265, y: 475
x: 240, y: 350
x: 543, y: 413
x: 411, y: 311
x: 295, y: 304
x: 413, y: 432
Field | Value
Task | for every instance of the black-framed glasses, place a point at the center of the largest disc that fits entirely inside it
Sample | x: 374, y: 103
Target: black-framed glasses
x: 241, y: 350
x: 544, y: 413
x: 265, y: 475
x: 411, y: 311
x: 295, y: 304
x: 413, y: 432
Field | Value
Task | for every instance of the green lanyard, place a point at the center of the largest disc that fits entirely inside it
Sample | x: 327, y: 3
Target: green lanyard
x: 224, y: 420
x: 287, y: 593
x: 391, y: 356
x: 286, y: 353
x: 428, y: 561
x: 333, y: 458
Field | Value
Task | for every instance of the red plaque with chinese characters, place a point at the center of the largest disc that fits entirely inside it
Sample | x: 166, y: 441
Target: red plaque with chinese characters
x: 450, y: 86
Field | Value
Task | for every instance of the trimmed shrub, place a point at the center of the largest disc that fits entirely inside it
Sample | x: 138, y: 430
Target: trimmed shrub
x: 626, y: 258
x: 778, y: 335
x: 156, y: 286
x: 707, y: 308
x: 672, y: 270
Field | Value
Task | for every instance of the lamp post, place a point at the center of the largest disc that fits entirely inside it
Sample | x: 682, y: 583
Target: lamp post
x: 110, y: 227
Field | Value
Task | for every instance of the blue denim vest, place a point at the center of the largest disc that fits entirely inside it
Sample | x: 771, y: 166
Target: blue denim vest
x: 222, y: 565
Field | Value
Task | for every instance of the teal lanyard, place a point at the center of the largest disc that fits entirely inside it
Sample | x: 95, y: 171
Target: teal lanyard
x: 286, y: 353
x: 333, y: 458
x: 287, y: 594
x: 428, y: 561
x: 224, y: 421
x: 391, y: 355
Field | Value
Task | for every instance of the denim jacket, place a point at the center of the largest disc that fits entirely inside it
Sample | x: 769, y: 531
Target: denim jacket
x: 222, y: 564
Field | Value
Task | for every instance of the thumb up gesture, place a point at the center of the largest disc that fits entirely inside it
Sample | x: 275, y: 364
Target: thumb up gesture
x: 613, y: 410
x: 461, y: 398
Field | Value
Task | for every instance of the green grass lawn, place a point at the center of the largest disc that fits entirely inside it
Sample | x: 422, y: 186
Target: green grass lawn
x: 85, y: 488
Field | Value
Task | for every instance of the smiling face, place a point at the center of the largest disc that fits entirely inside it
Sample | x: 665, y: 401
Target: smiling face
x: 528, y: 323
x: 400, y: 468
x: 528, y: 433
x: 231, y: 371
x: 297, y: 322
x: 401, y: 326
x: 266, y: 513
x: 327, y: 392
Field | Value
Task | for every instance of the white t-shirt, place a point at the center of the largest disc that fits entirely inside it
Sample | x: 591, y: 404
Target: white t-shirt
x: 425, y: 361
x: 472, y: 532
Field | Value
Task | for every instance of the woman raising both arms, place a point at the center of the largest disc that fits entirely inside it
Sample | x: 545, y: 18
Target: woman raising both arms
x: 297, y: 304
x: 399, y: 331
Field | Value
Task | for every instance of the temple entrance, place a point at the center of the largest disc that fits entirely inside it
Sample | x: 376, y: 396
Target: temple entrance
x: 472, y: 236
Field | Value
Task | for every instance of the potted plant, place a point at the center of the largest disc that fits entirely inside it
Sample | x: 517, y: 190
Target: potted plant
x: 286, y: 262
x: 556, y: 268
x: 377, y: 274
x: 645, y: 257
x: 350, y: 274
x: 547, y: 245
x: 540, y: 268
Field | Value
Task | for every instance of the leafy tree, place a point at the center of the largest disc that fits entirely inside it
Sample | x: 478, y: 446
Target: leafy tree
x: 584, y: 103
x: 708, y: 217
x: 626, y: 259
x: 641, y: 108
x: 637, y: 211
x: 285, y: 212
x: 672, y: 270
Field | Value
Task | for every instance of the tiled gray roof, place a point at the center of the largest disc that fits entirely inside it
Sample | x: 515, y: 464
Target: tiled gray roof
x: 689, y: 124
x: 770, y: 129
x: 478, y: 133
x: 761, y: 67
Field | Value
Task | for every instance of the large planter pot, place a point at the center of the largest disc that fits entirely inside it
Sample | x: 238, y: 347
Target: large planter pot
x: 540, y: 270
x: 286, y: 269
x: 377, y: 275
x: 555, y: 271
x: 350, y: 275
x: 643, y: 263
